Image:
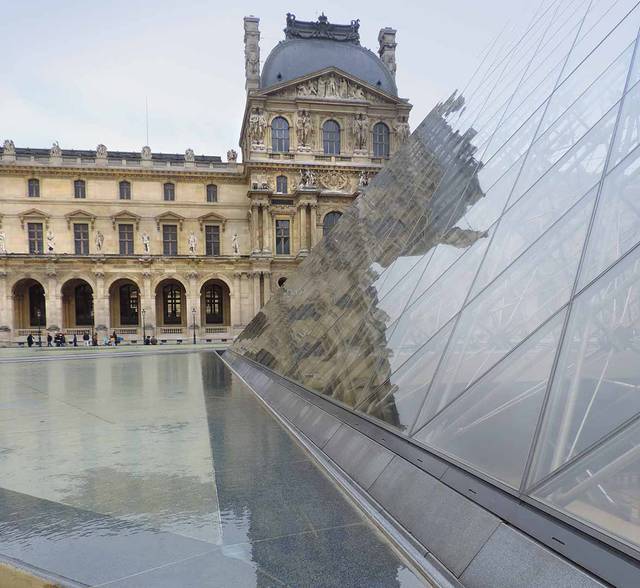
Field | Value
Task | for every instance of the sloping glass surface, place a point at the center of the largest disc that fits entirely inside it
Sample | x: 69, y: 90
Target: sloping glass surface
x: 491, y: 426
x: 480, y: 293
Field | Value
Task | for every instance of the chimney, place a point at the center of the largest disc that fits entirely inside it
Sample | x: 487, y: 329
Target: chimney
x: 251, y: 53
x: 387, y: 49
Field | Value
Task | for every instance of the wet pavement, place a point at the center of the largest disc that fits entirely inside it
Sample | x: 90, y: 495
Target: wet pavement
x: 163, y: 469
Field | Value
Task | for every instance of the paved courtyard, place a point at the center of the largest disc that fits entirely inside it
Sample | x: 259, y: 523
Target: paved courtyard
x: 160, y: 468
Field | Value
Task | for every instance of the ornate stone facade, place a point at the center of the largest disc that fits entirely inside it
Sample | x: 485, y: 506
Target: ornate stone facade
x: 161, y: 244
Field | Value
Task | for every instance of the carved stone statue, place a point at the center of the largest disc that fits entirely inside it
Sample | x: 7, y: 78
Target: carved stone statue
x: 304, y: 128
x: 259, y: 182
x: 331, y: 86
x: 3, y: 243
x: 402, y: 129
x: 9, y: 147
x: 309, y: 88
x: 356, y: 92
x: 51, y: 241
x: 363, y: 180
x: 235, y: 245
x: 257, y: 127
x: 145, y: 154
x: 55, y: 150
x: 360, y: 128
x: 232, y: 156
x: 307, y: 178
x: 193, y: 243
x: 99, y: 241
x: 101, y: 151
x: 189, y: 156
x: 146, y: 242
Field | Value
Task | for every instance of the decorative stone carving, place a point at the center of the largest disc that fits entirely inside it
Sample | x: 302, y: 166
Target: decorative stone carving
x: 363, y: 179
x: 3, y: 243
x: 251, y: 52
x: 99, y: 241
x: 192, y: 242
x: 307, y: 178
x: 9, y: 148
x: 322, y: 29
x: 331, y: 86
x: 260, y: 182
x: 51, y: 241
x: 360, y: 129
x: 333, y: 180
x: 304, y: 128
x: 189, y: 156
x: 402, y: 129
x: 55, y: 150
x: 232, y: 156
x: 101, y: 152
x: 257, y: 128
x: 146, y: 242
x: 235, y: 246
x: 145, y: 154
x: 306, y: 89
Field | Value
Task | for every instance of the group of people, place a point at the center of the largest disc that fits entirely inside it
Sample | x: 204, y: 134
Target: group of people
x: 86, y: 339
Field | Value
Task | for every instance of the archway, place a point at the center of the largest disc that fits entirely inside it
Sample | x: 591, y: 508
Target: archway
x: 171, y: 306
x: 77, y: 304
x: 29, y: 305
x: 215, y: 304
x: 124, y: 305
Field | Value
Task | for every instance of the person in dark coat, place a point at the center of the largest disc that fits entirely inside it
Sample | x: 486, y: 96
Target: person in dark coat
x: 49, y: 340
x: 75, y: 340
x: 115, y: 339
x: 30, y: 340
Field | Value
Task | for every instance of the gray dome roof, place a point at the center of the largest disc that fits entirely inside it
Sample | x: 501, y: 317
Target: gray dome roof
x: 295, y: 58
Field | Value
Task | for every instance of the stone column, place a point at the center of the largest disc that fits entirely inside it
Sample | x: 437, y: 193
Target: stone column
x: 255, y: 237
x: 236, y: 302
x: 256, y: 292
x: 314, y: 229
x: 148, y: 301
x: 302, y: 220
x: 267, y: 286
x: 6, y: 308
x: 193, y: 301
x: 53, y: 301
x: 101, y: 314
x: 266, y: 229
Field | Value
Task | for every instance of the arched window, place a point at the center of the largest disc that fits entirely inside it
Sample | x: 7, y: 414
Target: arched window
x: 128, y: 304
x: 282, y: 281
x: 37, y: 306
x: 279, y: 135
x: 125, y: 190
x: 169, y: 192
x: 380, y: 140
x: 331, y: 219
x: 212, y: 193
x: 172, y: 304
x: 213, y: 308
x: 281, y: 184
x: 331, y: 137
x: 83, y: 295
x: 79, y: 189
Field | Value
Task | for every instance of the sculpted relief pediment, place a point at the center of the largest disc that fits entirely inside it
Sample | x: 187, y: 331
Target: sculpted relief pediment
x: 333, y: 86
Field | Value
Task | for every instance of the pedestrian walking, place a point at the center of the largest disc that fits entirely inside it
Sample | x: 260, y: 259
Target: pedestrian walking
x: 115, y: 338
x: 85, y: 338
x: 30, y: 340
x: 75, y: 340
x: 49, y: 340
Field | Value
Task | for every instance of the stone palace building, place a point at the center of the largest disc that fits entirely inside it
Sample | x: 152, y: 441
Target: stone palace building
x: 168, y: 244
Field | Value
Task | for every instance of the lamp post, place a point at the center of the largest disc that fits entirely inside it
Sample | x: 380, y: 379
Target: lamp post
x: 144, y: 338
x: 193, y: 314
x: 39, y: 316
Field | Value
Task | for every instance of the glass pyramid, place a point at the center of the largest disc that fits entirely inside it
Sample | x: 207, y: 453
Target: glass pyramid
x: 481, y: 297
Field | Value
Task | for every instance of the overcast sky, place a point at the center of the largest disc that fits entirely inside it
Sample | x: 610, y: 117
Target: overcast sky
x: 79, y: 72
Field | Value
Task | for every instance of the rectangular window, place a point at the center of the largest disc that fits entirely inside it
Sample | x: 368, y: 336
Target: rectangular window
x: 212, y: 239
x: 79, y: 189
x: 34, y: 188
x: 125, y: 190
x: 36, y: 241
x: 81, y: 238
x: 212, y: 193
x: 282, y: 237
x: 281, y: 184
x: 169, y: 192
x: 125, y: 234
x: 170, y: 239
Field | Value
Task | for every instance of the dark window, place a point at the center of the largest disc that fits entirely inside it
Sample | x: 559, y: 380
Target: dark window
x: 170, y: 239
x: 282, y: 201
x: 172, y: 304
x: 281, y: 184
x: 212, y: 193
x: 331, y: 137
x: 213, y: 304
x: 169, y: 191
x: 36, y: 241
x: 37, y: 308
x: 84, y: 305
x: 81, y: 238
x: 212, y: 239
x: 124, y: 190
x: 331, y: 219
x: 279, y: 135
x: 282, y: 237
x: 380, y: 140
x: 128, y: 304
x: 34, y: 188
x: 125, y: 235
x: 79, y: 189
x: 282, y: 281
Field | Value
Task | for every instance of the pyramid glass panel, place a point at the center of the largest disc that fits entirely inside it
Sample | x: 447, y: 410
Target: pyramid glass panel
x: 479, y: 299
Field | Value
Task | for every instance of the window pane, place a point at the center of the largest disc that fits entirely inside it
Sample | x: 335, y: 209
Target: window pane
x: 128, y: 304
x: 34, y: 188
x: 36, y: 240
x: 282, y: 237
x: 126, y: 239
x: 81, y: 239
x: 213, y: 304
x: 279, y: 135
x: 281, y: 184
x: 331, y: 137
x: 125, y: 191
x: 212, y: 240
x: 212, y: 193
x: 170, y: 239
x: 169, y: 192
x: 79, y: 189
x: 380, y: 140
x: 172, y: 304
